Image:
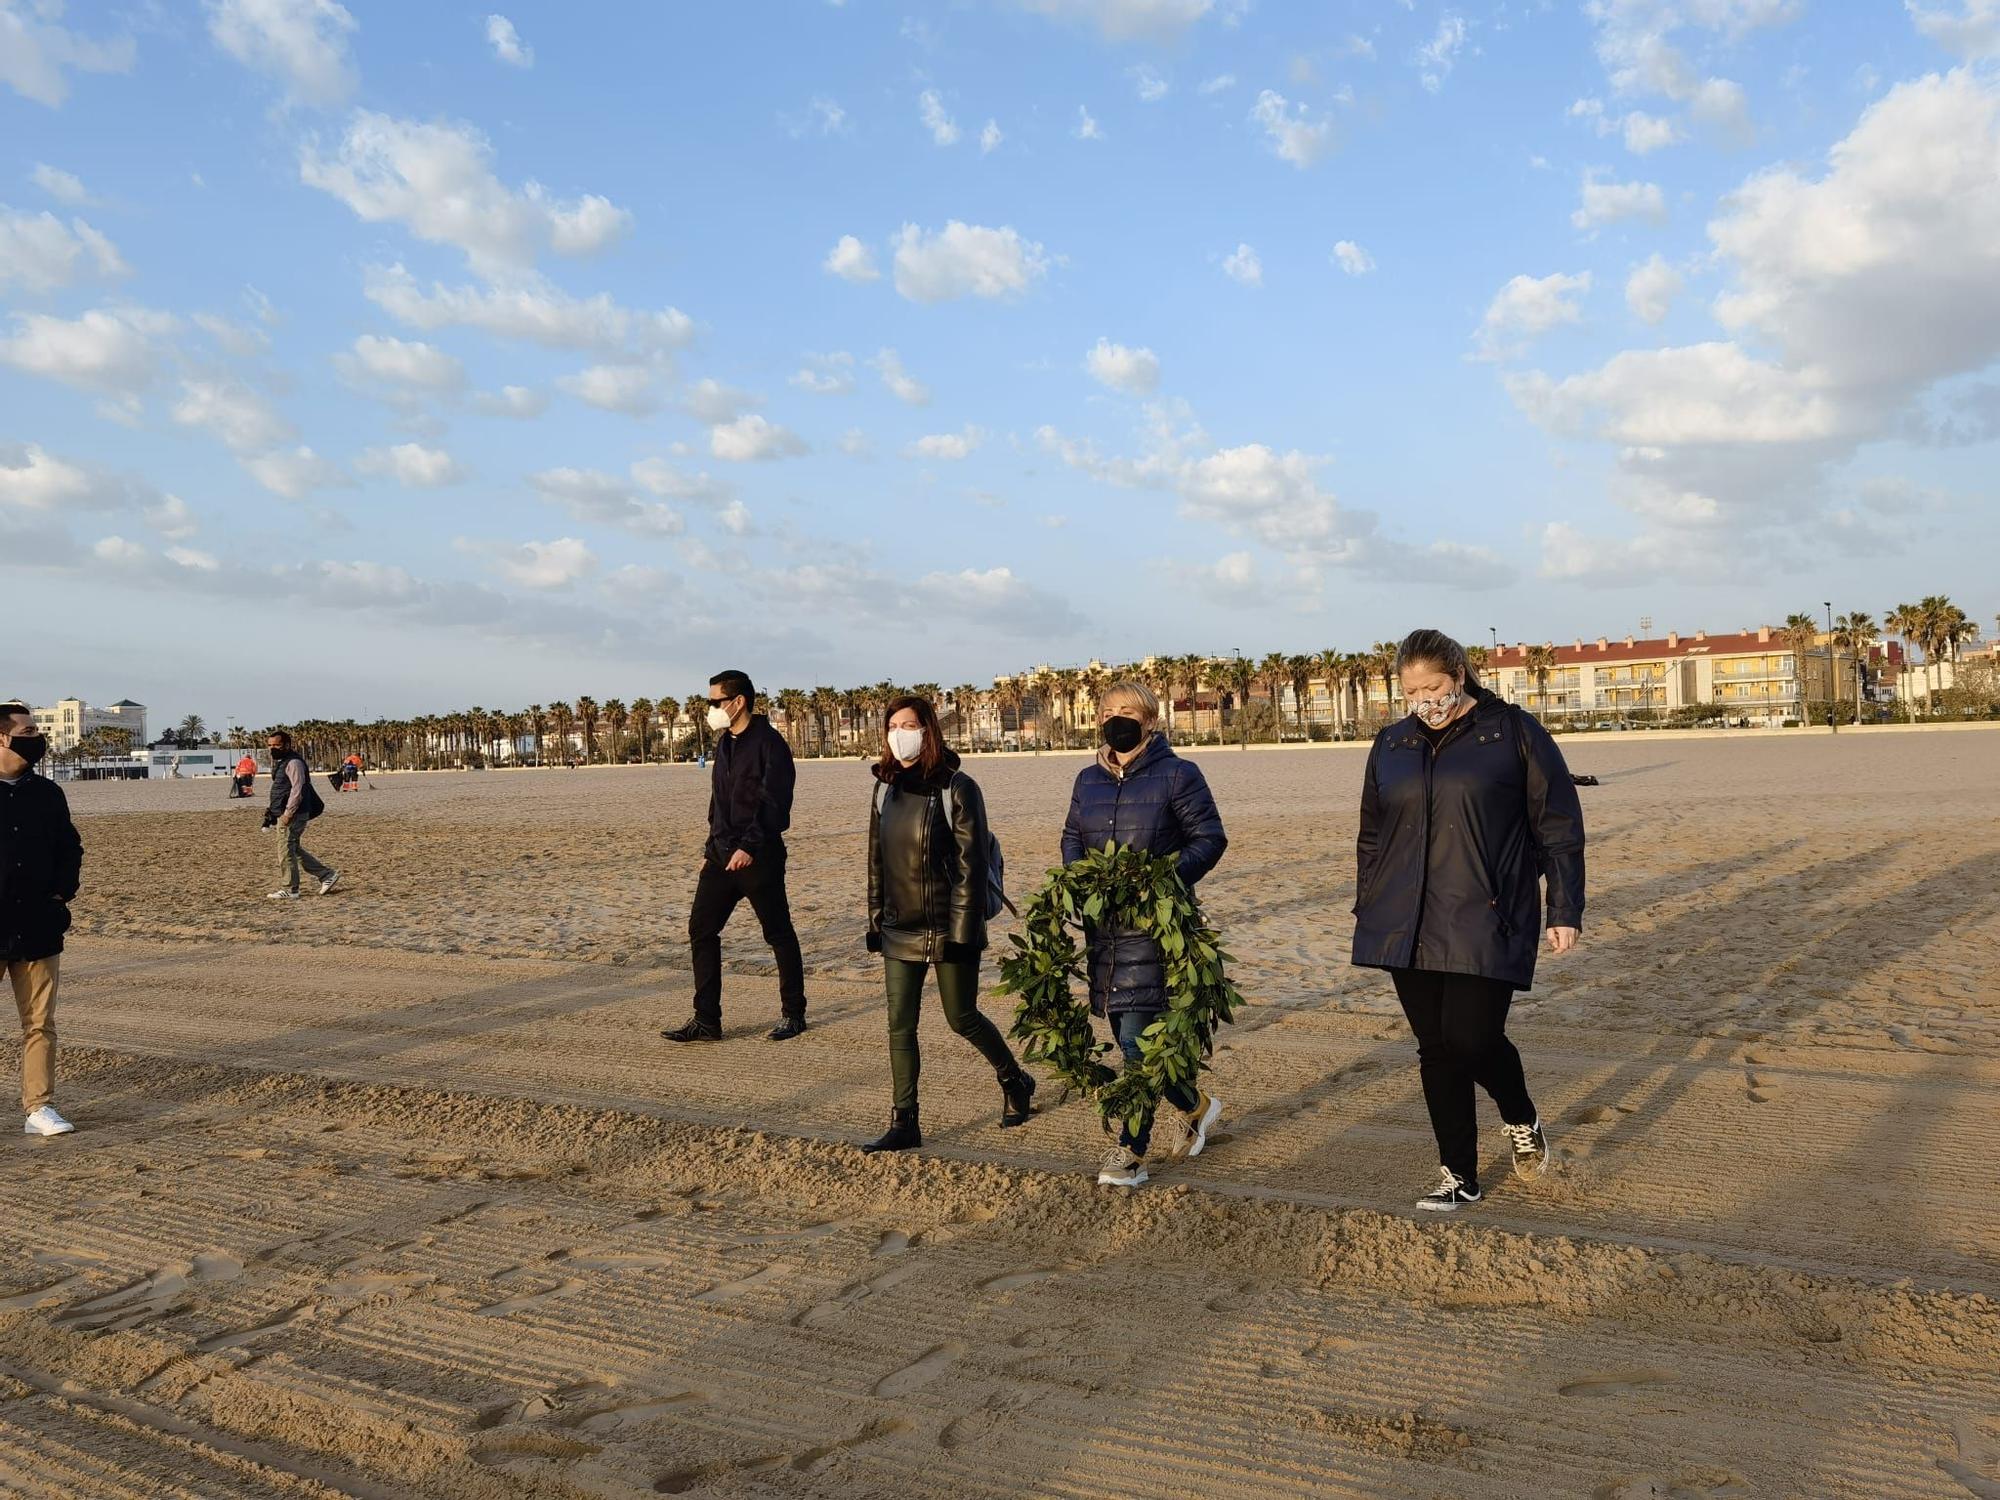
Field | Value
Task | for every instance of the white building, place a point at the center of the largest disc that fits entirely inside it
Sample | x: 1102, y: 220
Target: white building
x: 70, y: 719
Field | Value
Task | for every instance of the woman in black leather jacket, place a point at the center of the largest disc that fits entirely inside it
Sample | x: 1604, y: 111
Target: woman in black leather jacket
x: 1139, y: 794
x: 927, y: 895
x: 1466, y: 810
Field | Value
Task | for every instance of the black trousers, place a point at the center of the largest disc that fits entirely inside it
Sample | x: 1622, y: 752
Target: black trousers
x: 716, y: 893
x: 1461, y: 1026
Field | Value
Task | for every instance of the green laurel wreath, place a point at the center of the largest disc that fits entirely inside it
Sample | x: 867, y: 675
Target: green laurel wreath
x: 1128, y: 887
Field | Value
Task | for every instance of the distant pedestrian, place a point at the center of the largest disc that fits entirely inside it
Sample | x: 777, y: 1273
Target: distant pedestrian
x: 294, y: 803
x: 1466, y: 809
x: 246, y: 776
x: 749, y: 809
x: 1139, y: 794
x: 41, y: 861
x: 929, y: 884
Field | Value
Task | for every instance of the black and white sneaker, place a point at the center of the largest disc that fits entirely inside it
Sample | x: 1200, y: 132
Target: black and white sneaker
x: 1451, y: 1191
x: 1531, y: 1149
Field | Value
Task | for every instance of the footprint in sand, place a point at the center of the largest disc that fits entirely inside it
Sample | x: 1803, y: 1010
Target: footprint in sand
x: 1974, y: 1454
x: 823, y: 1312
x: 526, y: 1300
x: 152, y: 1295
x: 616, y: 1418
x: 680, y: 1481
x: 1759, y: 1088
x: 893, y: 1242
x: 921, y: 1372
x: 880, y: 1428
x: 613, y: 1260
x: 35, y: 1296
x: 729, y: 1291
x: 1616, y: 1384
x: 221, y: 1341
x: 1233, y: 1302
x: 498, y: 1450
x: 795, y: 1236
x: 1015, y: 1280
x: 1704, y: 1484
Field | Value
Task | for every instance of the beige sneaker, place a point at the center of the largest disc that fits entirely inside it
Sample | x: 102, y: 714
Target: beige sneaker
x: 1121, y: 1168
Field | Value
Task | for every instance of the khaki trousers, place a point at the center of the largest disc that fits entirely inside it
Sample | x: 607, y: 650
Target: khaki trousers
x: 35, y: 998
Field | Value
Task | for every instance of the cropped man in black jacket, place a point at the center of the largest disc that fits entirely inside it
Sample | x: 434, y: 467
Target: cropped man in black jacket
x: 749, y: 809
x: 41, y: 861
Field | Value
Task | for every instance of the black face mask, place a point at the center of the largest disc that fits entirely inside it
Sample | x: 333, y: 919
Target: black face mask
x: 1123, y: 734
x: 30, y: 747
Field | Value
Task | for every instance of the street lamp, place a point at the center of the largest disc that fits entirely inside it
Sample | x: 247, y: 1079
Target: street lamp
x: 1832, y: 674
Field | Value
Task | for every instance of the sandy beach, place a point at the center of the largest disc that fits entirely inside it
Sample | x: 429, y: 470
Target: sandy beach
x: 397, y: 1192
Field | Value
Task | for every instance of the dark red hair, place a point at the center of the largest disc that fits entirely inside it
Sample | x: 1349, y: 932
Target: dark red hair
x: 930, y: 757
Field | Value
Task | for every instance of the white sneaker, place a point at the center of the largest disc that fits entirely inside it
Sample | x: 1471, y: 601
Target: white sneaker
x: 1531, y: 1149
x: 1121, y: 1169
x: 45, y: 1121
x: 282, y: 896
x: 1207, y: 1110
x: 1451, y: 1191
x: 329, y: 883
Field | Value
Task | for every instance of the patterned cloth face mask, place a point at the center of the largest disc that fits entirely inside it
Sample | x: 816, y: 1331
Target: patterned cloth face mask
x: 1437, y: 712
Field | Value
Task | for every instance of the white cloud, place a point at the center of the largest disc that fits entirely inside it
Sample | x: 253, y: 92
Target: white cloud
x: 189, y: 557
x: 32, y: 478
x: 544, y: 565
x: 1646, y: 133
x: 854, y: 443
x: 1086, y: 126
x: 239, y: 416
x: 1242, y: 265
x: 965, y: 260
x: 1147, y: 83
x: 1127, y: 20
x: 293, y: 472
x: 1649, y: 400
x: 506, y: 42
x: 302, y: 43
x: 517, y: 401
x: 950, y: 446
x: 1357, y: 45
x: 412, y: 465
x: 170, y: 516
x: 116, y: 551
x: 113, y: 351
x: 436, y: 179
x: 1636, y: 44
x: 826, y: 374
x: 752, y: 438
x: 1352, y: 259
x: 592, y: 495
x: 40, y: 253
x: 1605, y: 202
x: 1721, y: 103
x: 399, y: 362
x: 823, y: 115
x: 532, y: 310
x: 1290, y: 131
x: 36, y: 52
x: 1216, y: 84
x: 1971, y: 28
x: 670, y: 483
x: 851, y: 260
x: 1526, y: 307
x: 64, y: 187
x: 1134, y: 371
x: 1651, y: 289
x: 232, y: 337
x: 990, y: 137
x: 1434, y: 59
x: 931, y: 110
x: 900, y: 383
x: 621, y: 388
x: 714, y: 403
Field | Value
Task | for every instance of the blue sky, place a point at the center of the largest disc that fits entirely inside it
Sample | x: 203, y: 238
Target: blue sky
x: 370, y: 359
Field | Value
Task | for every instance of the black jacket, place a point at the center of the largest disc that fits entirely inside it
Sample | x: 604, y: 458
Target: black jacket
x: 1160, y: 804
x: 41, y: 861
x: 1455, y: 843
x: 927, y: 876
x: 290, y: 772
x: 750, y: 793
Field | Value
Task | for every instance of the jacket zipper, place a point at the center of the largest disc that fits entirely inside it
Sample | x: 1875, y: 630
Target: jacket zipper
x: 932, y: 951
x: 1424, y: 884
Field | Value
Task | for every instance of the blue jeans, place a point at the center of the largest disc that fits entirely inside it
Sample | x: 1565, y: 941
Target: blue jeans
x: 1127, y: 1026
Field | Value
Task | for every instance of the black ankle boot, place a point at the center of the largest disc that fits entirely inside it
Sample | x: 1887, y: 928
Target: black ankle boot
x: 902, y: 1134
x: 1017, y: 1092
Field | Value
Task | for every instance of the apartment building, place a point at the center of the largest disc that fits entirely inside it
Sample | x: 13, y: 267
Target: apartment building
x: 68, y: 720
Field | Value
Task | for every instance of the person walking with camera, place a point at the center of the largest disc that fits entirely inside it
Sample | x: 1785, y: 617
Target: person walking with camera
x: 931, y: 888
x: 1467, y: 809
x: 749, y: 809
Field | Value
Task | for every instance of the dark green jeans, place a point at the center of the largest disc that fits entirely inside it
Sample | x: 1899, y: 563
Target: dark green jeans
x: 958, y: 988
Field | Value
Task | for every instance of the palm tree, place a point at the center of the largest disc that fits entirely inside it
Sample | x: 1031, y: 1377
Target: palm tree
x: 616, y: 717
x: 964, y: 703
x: 696, y: 708
x: 1274, y: 671
x: 538, y: 724
x: 1541, y: 661
x: 1298, y: 672
x: 1332, y: 669
x: 1857, y: 633
x: 587, y: 714
x: 1010, y: 692
x: 1383, y: 659
x: 1907, y: 621
x: 642, y: 716
x: 1187, y: 672
x: 192, y: 731
x: 565, y: 723
x: 1360, y: 666
x: 825, y: 704
x: 1799, y: 635
x: 793, y: 702
x: 1241, y: 674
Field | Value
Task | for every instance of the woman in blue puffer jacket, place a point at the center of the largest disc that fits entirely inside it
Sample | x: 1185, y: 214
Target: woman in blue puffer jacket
x: 1138, y: 793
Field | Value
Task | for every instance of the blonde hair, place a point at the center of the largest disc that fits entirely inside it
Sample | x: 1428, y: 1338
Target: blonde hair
x: 1139, y: 693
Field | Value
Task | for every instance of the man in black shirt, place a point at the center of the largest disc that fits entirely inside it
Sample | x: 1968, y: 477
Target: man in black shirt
x: 41, y: 860
x: 749, y: 809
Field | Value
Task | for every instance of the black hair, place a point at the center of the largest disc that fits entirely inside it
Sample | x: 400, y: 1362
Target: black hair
x: 282, y: 736
x: 1433, y: 648
x: 735, y: 684
x: 15, y: 706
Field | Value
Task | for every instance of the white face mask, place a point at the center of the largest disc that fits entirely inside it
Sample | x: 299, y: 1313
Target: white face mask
x: 906, y: 744
x: 1437, y: 712
x: 718, y: 719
